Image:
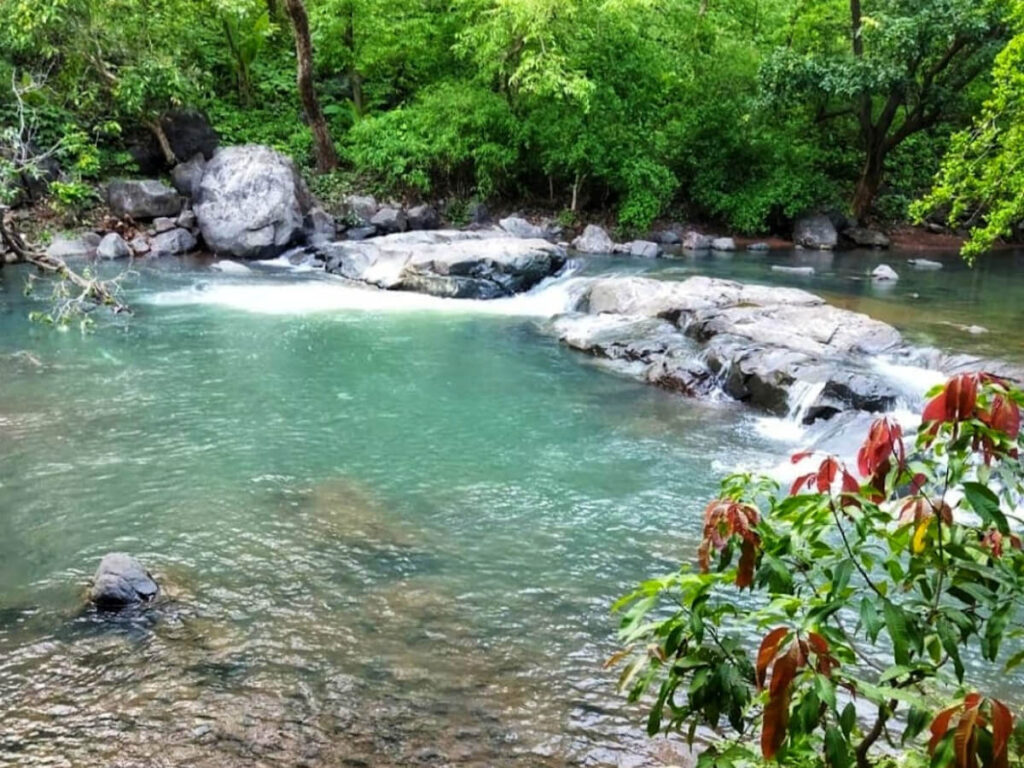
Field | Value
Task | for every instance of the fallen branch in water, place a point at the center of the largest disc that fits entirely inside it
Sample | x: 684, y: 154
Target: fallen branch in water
x: 91, y: 289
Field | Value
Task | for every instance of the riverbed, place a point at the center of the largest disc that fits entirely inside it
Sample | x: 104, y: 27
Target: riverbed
x: 389, y: 527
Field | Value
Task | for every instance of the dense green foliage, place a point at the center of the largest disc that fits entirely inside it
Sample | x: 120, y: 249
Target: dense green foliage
x: 743, y: 111
x: 871, y: 589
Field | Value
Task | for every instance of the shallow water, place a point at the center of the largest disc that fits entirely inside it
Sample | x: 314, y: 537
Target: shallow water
x: 389, y: 528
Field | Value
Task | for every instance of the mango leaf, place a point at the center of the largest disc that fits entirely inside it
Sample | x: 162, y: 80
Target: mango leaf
x: 837, y: 752
x: 896, y: 623
x: 986, y: 504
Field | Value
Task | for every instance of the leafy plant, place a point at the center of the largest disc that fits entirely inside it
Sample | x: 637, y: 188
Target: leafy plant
x: 871, y: 586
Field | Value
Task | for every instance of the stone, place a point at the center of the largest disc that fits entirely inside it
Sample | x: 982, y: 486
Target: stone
x: 186, y: 177
x: 644, y: 249
x: 924, y: 264
x: 361, y: 233
x: 389, y: 220
x: 252, y: 203
x: 229, y: 267
x: 142, y: 199
x: 695, y: 241
x: 805, y: 271
x: 423, y: 217
x: 478, y: 214
x: 320, y: 226
x: 113, y: 246
x: 723, y: 244
x: 163, y: 224
x: 121, y: 581
x: 815, y: 231
x: 139, y: 245
x: 884, y: 272
x: 449, y: 263
x: 593, y: 240
x: 863, y: 237
x: 666, y: 237
x: 360, y: 209
x: 174, y: 242
x: 187, y: 219
x: 759, y: 247
x: 520, y: 227
x: 81, y: 246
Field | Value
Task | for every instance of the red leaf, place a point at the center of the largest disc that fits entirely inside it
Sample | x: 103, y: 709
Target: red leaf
x: 1004, y: 416
x: 803, y: 480
x: 765, y: 654
x: 1002, y: 726
x: 745, y: 569
x: 940, y: 726
x: 818, y: 643
x: 964, y: 740
x: 796, y: 458
x: 827, y: 474
x: 850, y: 484
x: 935, y: 410
x: 776, y: 713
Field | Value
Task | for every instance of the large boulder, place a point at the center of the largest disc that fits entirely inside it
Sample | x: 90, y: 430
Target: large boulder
x: 644, y: 249
x: 142, y: 199
x: 593, y: 240
x: 252, y: 203
x: 695, y: 241
x: 187, y: 176
x: 81, y: 246
x: 423, y: 217
x: 173, y: 242
x: 517, y: 226
x: 122, y: 581
x: 113, y: 246
x: 448, y: 263
x: 320, y: 226
x: 360, y: 209
x: 816, y: 232
x: 389, y: 220
x: 723, y: 244
x: 863, y: 237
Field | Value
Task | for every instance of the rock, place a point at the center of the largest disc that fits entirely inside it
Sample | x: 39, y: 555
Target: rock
x: 389, y: 220
x: 188, y: 132
x: 361, y: 233
x: 320, y: 226
x: 816, y: 231
x: 723, y: 244
x: 82, y: 246
x: 252, y: 203
x: 884, y: 272
x: 360, y: 209
x: 187, y: 219
x: 758, y: 247
x: 229, y: 267
x: 423, y: 217
x: 866, y: 238
x: 163, y: 224
x: 924, y: 264
x: 552, y: 231
x: 792, y: 270
x: 666, y: 237
x: 120, y: 581
x: 520, y: 227
x: 695, y: 241
x: 448, y: 263
x: 142, y: 198
x: 174, y: 242
x: 478, y: 214
x: 186, y: 177
x: 644, y: 249
x: 113, y: 246
x: 593, y: 240
x: 139, y: 245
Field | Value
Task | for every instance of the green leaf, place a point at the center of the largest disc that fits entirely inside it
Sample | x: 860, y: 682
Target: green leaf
x: 848, y: 719
x: 896, y: 624
x: 950, y: 643
x: 837, y: 751
x: 986, y: 504
x: 869, y: 619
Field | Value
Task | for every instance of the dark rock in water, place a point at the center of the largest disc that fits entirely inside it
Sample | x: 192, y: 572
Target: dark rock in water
x: 187, y: 176
x: 846, y: 390
x: 816, y: 231
x: 120, y: 581
x: 174, y: 242
x: 423, y: 217
x: 252, y: 203
x: 866, y: 238
x: 142, y: 198
x: 449, y: 263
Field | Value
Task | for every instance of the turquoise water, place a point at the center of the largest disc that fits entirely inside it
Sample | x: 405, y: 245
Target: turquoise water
x: 388, y: 529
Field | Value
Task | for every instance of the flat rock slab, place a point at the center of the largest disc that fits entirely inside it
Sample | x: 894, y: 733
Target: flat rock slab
x: 484, y: 264
x: 120, y: 581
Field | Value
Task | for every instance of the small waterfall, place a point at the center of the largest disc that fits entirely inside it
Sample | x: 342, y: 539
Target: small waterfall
x: 802, y: 397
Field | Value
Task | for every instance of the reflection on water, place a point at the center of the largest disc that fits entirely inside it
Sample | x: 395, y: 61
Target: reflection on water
x: 384, y: 538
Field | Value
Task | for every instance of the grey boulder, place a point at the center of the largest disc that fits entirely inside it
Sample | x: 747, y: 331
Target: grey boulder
x: 121, y: 581
x: 644, y: 249
x: 884, y: 272
x: 359, y: 209
x: 113, y: 246
x: 520, y: 227
x: 423, y: 217
x: 320, y: 226
x: 174, y: 242
x: 593, y: 240
x: 723, y: 244
x: 389, y: 220
x: 142, y: 198
x: 866, y: 238
x: 252, y: 203
x: 186, y: 177
x: 695, y: 241
x: 78, y: 247
x: 816, y: 232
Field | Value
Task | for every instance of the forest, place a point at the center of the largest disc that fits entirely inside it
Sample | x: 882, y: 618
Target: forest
x: 739, y: 112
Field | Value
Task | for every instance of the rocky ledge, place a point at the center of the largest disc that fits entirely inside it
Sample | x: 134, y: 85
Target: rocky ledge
x: 484, y: 264
x: 781, y: 349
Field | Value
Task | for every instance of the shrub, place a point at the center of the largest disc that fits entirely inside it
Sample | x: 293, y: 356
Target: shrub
x: 870, y: 587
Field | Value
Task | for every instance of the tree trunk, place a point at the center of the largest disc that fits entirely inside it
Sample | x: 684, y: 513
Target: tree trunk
x: 161, y: 139
x: 870, y: 179
x: 354, y: 78
x: 326, y: 157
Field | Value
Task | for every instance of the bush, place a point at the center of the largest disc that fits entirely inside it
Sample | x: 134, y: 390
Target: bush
x: 872, y: 589
x: 455, y: 138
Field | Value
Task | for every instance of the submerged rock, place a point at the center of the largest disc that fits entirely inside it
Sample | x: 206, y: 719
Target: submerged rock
x: 924, y: 264
x: 806, y: 271
x: 884, y: 272
x: 120, y: 581
x: 448, y: 263
x: 252, y: 203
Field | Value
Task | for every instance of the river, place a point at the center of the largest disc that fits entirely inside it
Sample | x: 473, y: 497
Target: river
x: 388, y: 527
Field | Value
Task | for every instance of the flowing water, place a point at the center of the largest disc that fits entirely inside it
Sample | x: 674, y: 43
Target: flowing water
x: 388, y: 527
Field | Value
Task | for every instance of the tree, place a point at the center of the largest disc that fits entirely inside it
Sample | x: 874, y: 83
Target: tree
x: 326, y: 156
x: 981, y: 183
x: 892, y: 67
x: 874, y: 585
